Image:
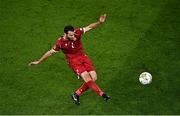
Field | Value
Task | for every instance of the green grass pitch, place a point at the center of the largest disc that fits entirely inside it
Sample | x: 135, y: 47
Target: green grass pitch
x: 138, y: 35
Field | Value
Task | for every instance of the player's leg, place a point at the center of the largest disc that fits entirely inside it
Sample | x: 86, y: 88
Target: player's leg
x: 82, y: 89
x: 94, y: 77
x: 79, y: 69
x: 90, y: 83
x: 86, y: 77
x: 84, y: 86
x: 89, y: 78
x: 87, y: 66
x: 91, y: 70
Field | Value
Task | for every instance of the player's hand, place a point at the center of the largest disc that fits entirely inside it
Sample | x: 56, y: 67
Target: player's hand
x: 102, y: 18
x: 33, y: 63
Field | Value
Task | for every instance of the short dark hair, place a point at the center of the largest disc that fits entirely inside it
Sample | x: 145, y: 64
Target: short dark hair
x: 68, y: 28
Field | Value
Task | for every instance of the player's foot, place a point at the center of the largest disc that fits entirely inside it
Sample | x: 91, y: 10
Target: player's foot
x: 75, y: 98
x: 106, y: 97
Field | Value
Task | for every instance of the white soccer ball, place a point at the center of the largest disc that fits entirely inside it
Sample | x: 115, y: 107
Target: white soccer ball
x: 145, y: 78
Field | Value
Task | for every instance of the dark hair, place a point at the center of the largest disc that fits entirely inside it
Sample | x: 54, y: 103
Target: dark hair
x: 68, y: 28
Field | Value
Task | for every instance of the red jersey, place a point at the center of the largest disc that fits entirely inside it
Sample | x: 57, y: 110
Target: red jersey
x: 75, y: 55
x: 72, y: 48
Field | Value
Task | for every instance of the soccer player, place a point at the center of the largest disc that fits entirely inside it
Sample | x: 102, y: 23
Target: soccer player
x: 70, y: 44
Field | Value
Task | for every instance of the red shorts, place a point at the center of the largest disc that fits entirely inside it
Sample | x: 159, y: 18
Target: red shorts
x: 80, y: 64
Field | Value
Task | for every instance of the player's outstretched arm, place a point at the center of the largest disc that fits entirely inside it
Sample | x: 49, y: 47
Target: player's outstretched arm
x: 45, y: 56
x: 101, y: 20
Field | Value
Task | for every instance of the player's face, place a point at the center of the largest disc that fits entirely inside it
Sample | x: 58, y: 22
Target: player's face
x: 70, y: 35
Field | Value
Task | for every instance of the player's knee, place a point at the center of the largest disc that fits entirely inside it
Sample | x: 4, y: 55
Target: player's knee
x: 93, y: 75
x: 94, y: 78
x: 86, y: 77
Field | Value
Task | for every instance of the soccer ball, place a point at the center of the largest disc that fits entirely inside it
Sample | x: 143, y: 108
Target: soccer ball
x: 145, y: 78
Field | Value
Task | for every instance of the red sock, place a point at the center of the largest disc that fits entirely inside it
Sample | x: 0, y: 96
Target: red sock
x: 91, y: 84
x: 82, y: 89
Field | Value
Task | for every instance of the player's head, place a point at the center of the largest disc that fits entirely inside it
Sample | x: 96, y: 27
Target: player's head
x: 69, y: 32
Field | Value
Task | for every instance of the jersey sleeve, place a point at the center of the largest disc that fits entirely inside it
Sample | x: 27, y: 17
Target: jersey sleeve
x: 79, y: 31
x: 57, y: 46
